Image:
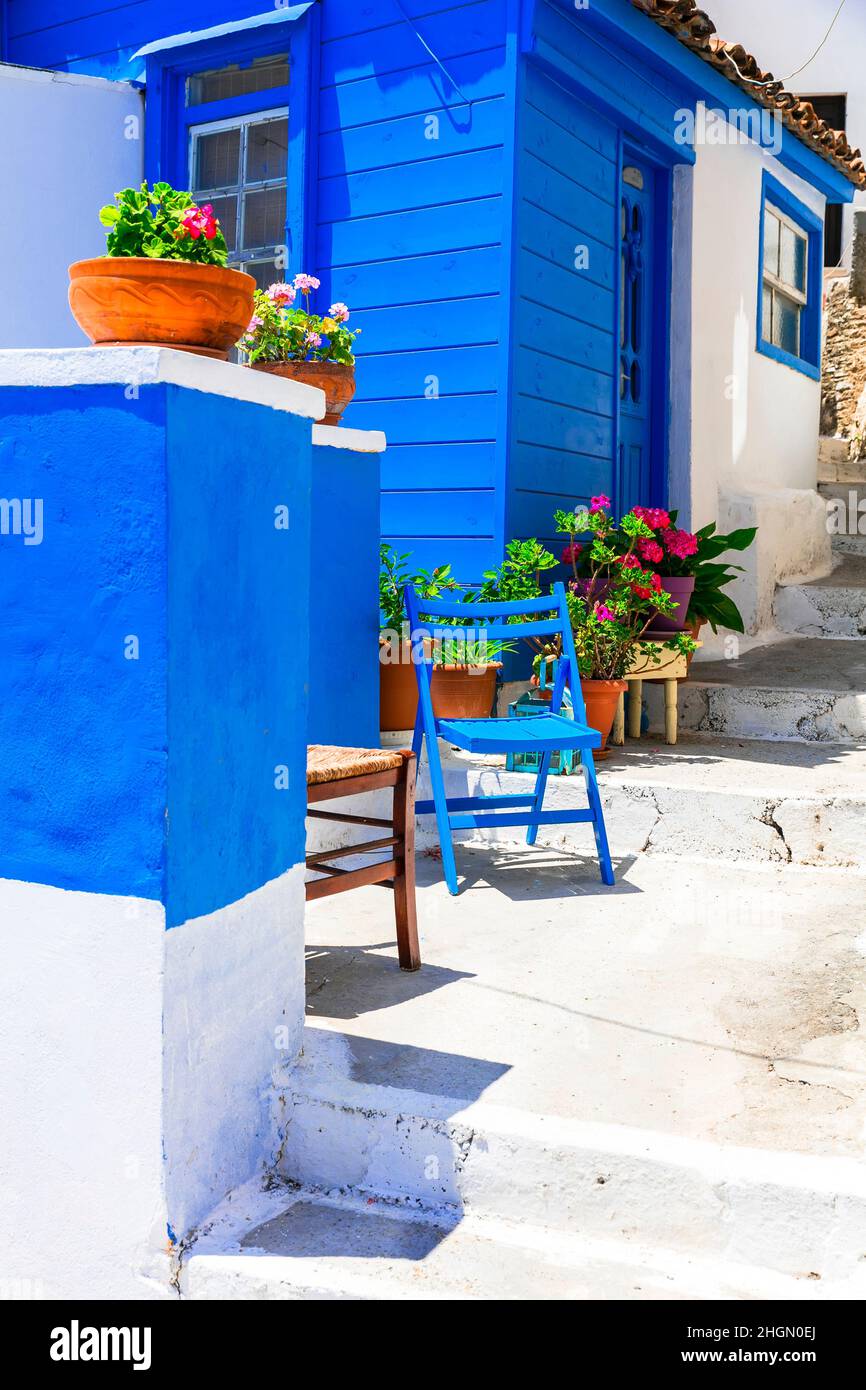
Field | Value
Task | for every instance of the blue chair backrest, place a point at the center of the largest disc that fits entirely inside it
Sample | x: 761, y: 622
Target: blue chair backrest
x: 495, y: 622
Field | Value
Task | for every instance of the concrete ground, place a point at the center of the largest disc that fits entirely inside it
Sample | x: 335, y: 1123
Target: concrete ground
x: 794, y: 663
x: 694, y: 999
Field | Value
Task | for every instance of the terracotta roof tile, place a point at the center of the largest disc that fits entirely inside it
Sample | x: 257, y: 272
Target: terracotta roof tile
x: 695, y: 29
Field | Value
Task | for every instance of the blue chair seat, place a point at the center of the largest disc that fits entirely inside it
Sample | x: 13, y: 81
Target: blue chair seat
x: 541, y: 733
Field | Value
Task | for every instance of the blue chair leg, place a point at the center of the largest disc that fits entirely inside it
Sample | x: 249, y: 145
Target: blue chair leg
x: 443, y: 824
x: 540, y: 784
x: 598, y: 825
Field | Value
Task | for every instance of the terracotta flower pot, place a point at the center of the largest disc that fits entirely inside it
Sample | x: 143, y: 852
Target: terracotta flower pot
x: 131, y: 300
x: 336, y: 379
x: 458, y: 693
x: 680, y: 589
x: 601, y: 699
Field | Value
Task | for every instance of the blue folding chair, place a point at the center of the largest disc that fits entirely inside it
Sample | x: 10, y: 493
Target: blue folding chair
x: 544, y: 733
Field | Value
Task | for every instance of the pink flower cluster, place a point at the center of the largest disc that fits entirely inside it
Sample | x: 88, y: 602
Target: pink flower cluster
x: 603, y: 613
x: 571, y: 552
x: 199, y: 221
x: 305, y: 283
x: 655, y: 517
x: 281, y: 295
x: 339, y: 311
x: 651, y: 552
x: 680, y: 544
x: 599, y: 504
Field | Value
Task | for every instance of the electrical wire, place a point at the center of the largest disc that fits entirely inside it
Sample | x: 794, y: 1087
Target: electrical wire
x: 421, y: 39
x: 782, y: 80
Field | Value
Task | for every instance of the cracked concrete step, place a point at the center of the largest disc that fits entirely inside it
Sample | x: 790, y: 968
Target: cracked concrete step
x: 733, y: 800
x: 849, y: 545
x: 807, y: 689
x: 307, y: 1245
x: 833, y: 606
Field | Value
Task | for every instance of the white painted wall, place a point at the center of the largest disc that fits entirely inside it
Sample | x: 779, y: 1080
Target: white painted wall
x: 754, y: 421
x: 69, y: 143
x: 783, y: 36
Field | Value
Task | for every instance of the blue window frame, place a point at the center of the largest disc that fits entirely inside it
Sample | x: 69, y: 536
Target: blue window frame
x: 790, y: 280
x: 228, y: 116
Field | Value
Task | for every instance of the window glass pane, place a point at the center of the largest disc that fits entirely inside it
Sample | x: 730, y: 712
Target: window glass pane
x: 771, y: 243
x: 267, y: 150
x: 786, y: 324
x: 265, y: 217
x: 263, y: 272
x: 226, y: 212
x: 792, y: 258
x: 222, y: 83
x: 767, y: 315
x: 217, y: 158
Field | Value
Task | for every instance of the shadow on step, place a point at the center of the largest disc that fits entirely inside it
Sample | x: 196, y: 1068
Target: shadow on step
x: 316, y: 1230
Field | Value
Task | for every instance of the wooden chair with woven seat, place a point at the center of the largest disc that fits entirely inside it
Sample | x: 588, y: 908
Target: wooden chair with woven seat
x: 340, y: 772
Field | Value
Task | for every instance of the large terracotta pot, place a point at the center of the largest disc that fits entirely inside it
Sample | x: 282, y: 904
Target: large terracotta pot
x: 458, y: 693
x: 601, y: 699
x: 131, y: 300
x: 336, y: 379
x: 680, y: 589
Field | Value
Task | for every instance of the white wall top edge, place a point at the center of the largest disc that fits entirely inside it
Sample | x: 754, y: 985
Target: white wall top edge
x: 359, y: 441
x: 21, y: 73
x: 150, y: 366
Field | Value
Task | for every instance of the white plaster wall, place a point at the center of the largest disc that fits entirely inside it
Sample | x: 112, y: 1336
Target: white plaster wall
x: 783, y: 36
x: 234, y: 1015
x: 754, y: 421
x: 82, y: 1212
x: 69, y: 143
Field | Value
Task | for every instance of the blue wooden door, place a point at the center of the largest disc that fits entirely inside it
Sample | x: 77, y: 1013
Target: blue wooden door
x: 639, y: 377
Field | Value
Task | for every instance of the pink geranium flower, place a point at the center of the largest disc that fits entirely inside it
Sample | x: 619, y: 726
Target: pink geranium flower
x: 680, y: 544
x: 305, y: 283
x: 200, y: 221
x: 339, y: 311
x: 313, y: 340
x: 603, y: 613
x: 571, y: 552
x: 281, y: 294
x: 599, y: 504
x: 651, y: 552
x: 655, y: 517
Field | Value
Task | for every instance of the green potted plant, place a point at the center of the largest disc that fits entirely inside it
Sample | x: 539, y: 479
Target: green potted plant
x: 465, y: 669
x: 614, y: 601
x: 708, y: 604
x: 164, y: 278
x: 289, y: 340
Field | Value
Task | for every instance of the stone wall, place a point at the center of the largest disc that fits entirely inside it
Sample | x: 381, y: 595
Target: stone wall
x: 844, y: 366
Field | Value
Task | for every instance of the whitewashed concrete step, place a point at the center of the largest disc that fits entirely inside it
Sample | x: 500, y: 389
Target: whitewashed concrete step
x: 849, y: 545
x: 734, y: 800
x: 796, y: 1214
x: 833, y: 606
x: 806, y: 689
x: 306, y: 1245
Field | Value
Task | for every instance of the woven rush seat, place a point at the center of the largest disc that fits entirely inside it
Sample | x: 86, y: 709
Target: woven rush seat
x: 326, y: 763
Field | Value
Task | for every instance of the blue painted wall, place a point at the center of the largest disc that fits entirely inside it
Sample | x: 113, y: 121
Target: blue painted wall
x: 153, y: 776
x: 343, y: 702
x: 82, y: 729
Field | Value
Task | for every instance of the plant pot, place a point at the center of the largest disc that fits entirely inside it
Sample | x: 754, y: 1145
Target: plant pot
x: 458, y: 693
x: 134, y: 300
x: 336, y: 379
x: 601, y: 699
x: 680, y: 588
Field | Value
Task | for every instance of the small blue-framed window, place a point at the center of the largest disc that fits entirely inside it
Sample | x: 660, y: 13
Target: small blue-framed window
x: 228, y: 118
x: 790, y: 280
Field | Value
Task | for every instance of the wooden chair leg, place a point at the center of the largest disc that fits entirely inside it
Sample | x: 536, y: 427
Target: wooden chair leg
x: 408, y: 950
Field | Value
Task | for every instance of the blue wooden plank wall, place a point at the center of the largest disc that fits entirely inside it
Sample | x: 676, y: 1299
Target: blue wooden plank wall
x: 410, y: 233
x: 563, y: 406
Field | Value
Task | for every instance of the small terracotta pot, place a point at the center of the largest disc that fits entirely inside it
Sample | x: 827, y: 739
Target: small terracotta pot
x: 458, y: 693
x: 133, y: 300
x: 336, y: 379
x: 601, y: 699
